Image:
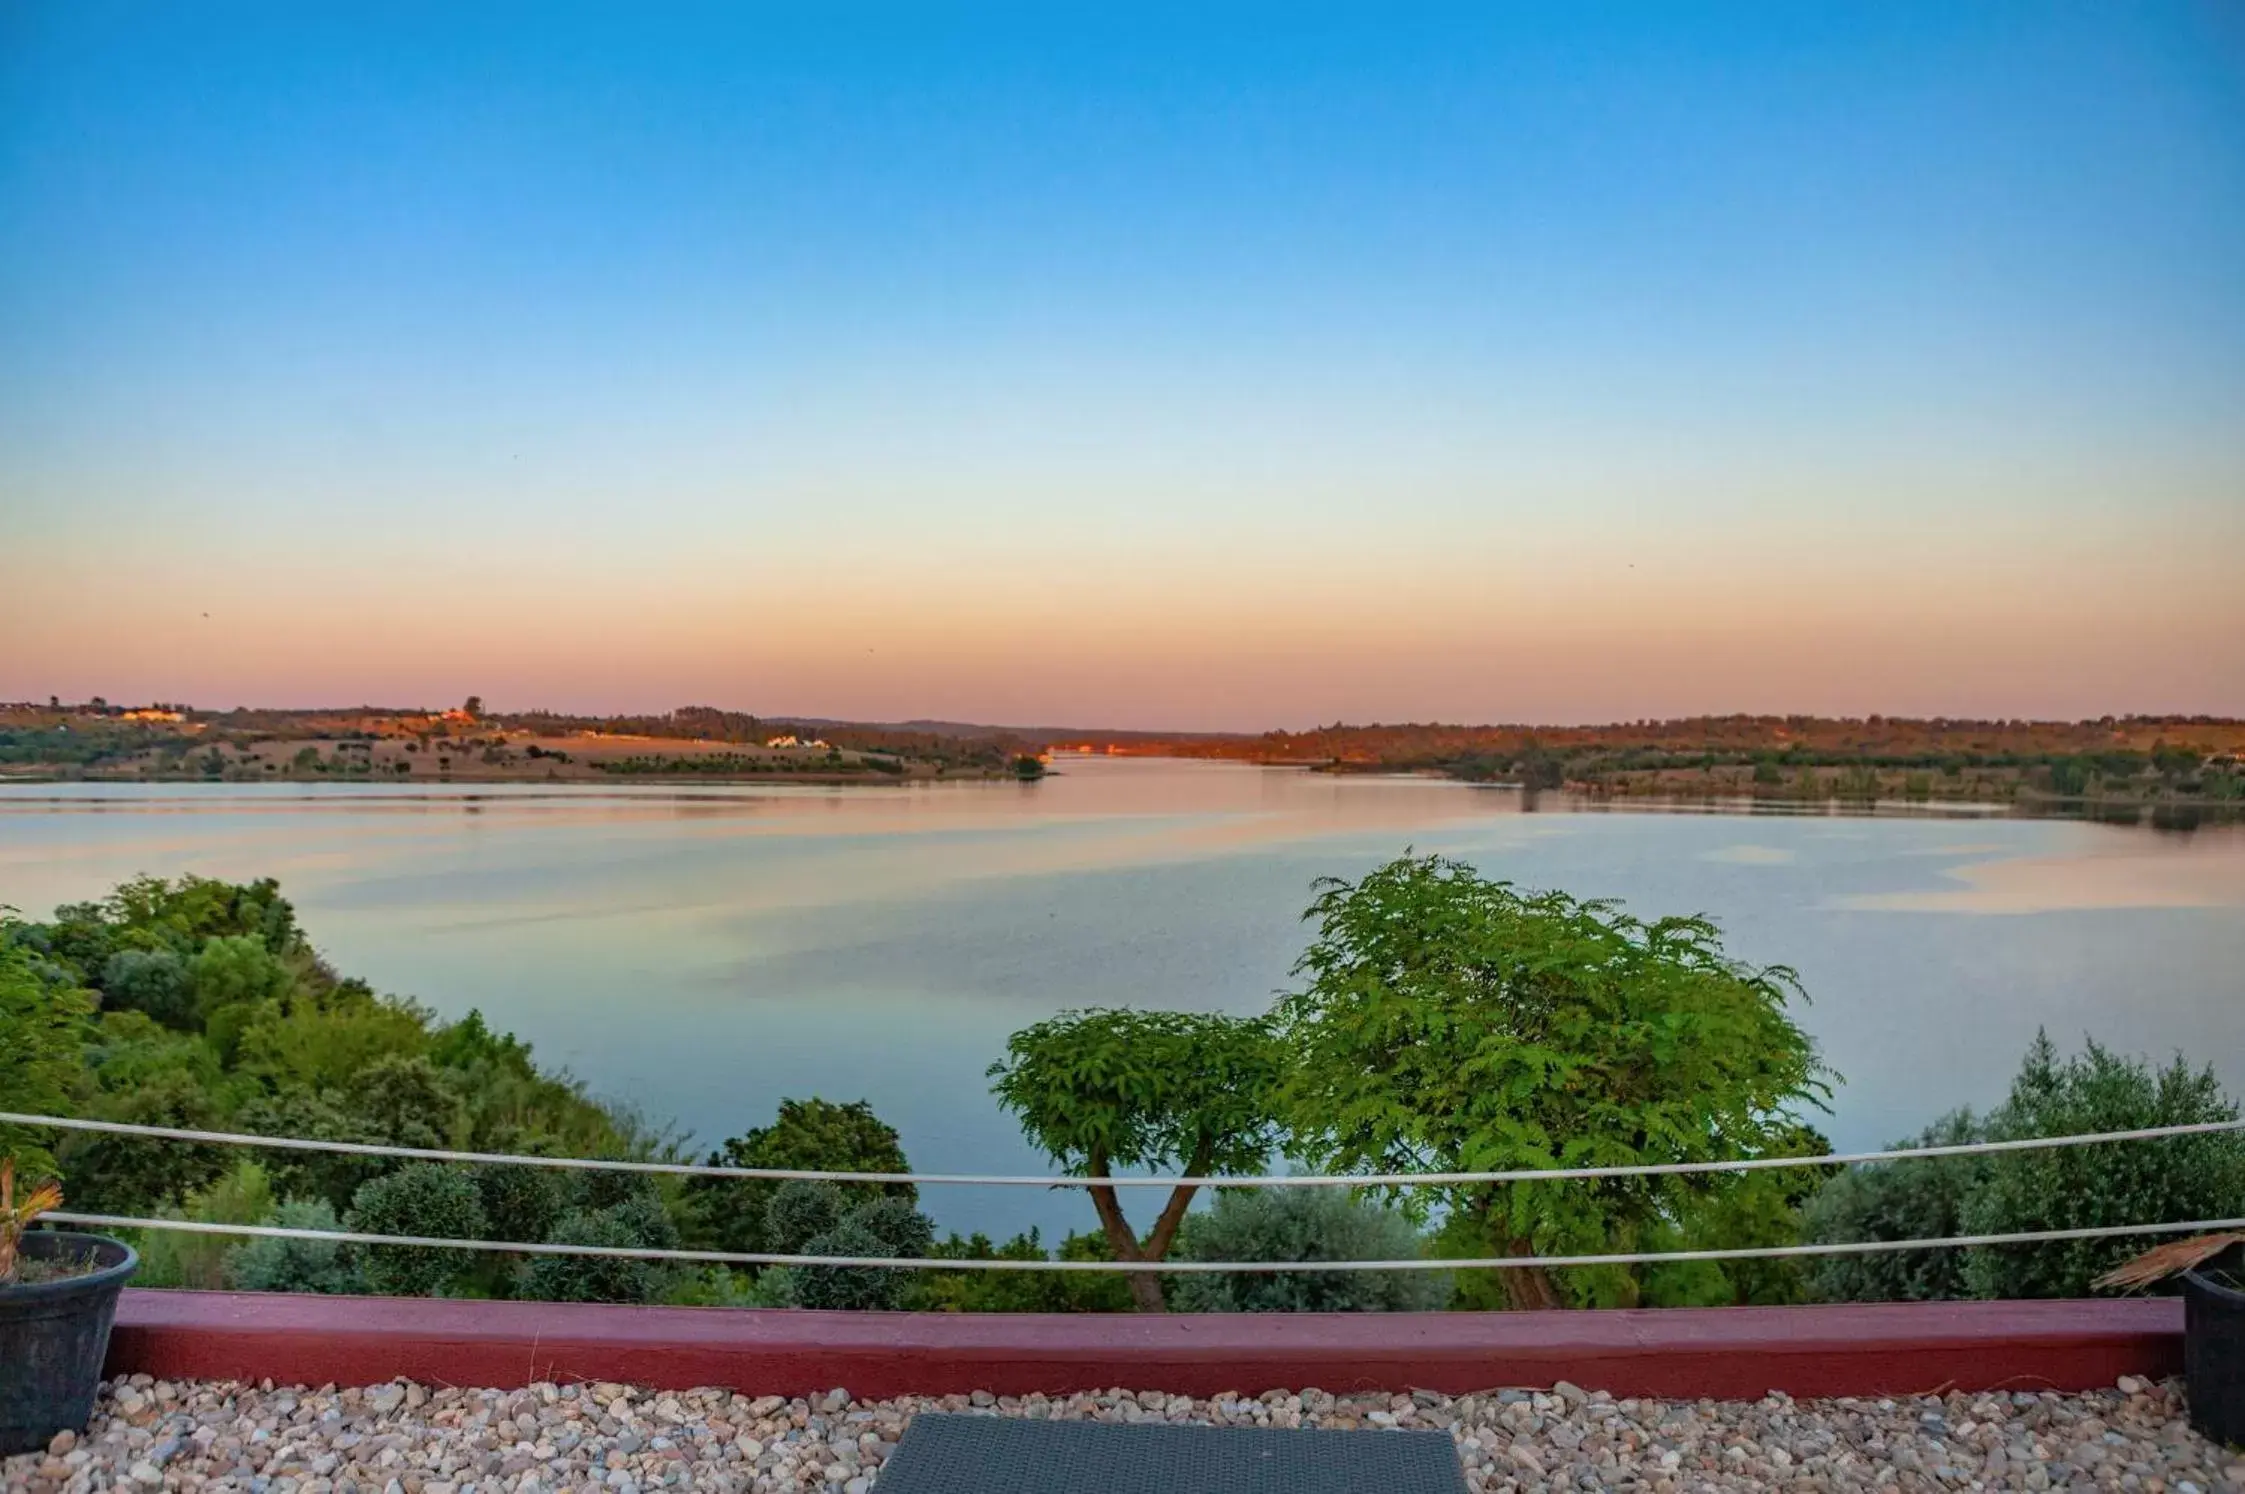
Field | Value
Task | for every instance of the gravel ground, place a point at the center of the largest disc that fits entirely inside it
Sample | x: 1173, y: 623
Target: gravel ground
x: 408, y: 1439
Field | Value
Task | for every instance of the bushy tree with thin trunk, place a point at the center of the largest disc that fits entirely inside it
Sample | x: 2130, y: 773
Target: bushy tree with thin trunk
x: 1112, y: 1090
x: 1450, y: 1023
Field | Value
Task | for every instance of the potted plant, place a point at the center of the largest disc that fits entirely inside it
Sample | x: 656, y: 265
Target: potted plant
x: 58, y: 1296
x: 2213, y: 1272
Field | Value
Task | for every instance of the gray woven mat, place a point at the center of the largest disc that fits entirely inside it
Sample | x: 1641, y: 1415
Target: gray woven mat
x: 1003, y: 1455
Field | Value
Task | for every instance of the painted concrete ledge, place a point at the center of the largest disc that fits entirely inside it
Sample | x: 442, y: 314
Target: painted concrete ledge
x: 1677, y: 1353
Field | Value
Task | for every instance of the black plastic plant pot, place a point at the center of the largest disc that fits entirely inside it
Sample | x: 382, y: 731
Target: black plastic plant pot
x: 53, y: 1336
x: 2214, y: 1346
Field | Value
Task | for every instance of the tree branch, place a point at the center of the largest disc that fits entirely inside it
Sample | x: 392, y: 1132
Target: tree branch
x: 1180, y: 1199
x: 1120, y: 1239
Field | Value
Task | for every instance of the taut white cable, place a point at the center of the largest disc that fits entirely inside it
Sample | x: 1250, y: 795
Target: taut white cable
x: 1275, y: 1180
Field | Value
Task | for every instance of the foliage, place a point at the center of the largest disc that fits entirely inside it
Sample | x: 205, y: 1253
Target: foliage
x: 234, y: 978
x: 174, y: 1258
x: 848, y: 1288
x: 1020, y: 1291
x: 426, y: 1199
x: 800, y: 1211
x: 142, y: 1074
x: 280, y: 1265
x: 1303, y: 1224
x: 154, y: 981
x: 521, y: 1203
x: 1116, y: 1089
x: 2183, y: 1177
x: 42, y: 1024
x: 1455, y: 1024
x: 813, y: 1218
x: 812, y: 1135
x: 1740, y: 1211
x: 562, y: 1278
x: 1898, y: 1201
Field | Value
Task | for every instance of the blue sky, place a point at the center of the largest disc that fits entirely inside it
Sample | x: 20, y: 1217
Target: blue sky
x: 1196, y: 366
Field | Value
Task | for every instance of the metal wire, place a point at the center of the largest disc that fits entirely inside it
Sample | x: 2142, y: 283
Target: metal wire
x: 925, y: 1263
x: 1274, y: 1180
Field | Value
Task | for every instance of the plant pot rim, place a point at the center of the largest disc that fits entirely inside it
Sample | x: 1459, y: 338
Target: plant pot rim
x: 95, y: 1280
x: 2197, y: 1280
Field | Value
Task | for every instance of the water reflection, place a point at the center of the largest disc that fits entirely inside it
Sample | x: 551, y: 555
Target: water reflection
x: 701, y: 952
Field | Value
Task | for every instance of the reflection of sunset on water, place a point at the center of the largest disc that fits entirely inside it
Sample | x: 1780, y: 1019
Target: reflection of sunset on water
x: 2205, y: 871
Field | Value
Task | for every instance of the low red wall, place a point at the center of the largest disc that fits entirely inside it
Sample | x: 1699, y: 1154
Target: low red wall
x: 1737, y: 1352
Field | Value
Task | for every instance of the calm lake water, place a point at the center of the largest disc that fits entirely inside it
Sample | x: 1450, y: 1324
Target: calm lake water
x: 700, y: 952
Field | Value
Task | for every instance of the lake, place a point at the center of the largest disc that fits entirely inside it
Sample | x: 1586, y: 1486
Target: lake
x: 699, y: 952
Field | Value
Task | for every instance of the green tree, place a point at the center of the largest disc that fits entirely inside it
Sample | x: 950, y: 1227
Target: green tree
x: 43, y: 1025
x: 154, y: 981
x: 2129, y: 1182
x: 1106, y: 1090
x: 811, y: 1135
x: 1303, y: 1224
x: 235, y: 978
x: 1455, y: 1024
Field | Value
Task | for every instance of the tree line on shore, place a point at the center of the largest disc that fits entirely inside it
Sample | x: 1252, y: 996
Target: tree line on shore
x: 1439, y: 1022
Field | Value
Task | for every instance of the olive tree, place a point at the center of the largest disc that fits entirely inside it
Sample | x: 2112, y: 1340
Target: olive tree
x: 1451, y: 1023
x: 1104, y: 1090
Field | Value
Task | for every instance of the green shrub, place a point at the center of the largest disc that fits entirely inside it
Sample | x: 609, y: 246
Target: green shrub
x: 813, y: 1218
x: 896, y: 1224
x: 423, y: 1199
x: 798, y: 1212
x: 650, y: 1223
x: 323, y: 1266
x: 2131, y: 1182
x: 521, y: 1203
x: 1303, y: 1224
x: 1897, y: 1201
x: 815, y: 1135
x: 592, y: 1278
x: 848, y: 1288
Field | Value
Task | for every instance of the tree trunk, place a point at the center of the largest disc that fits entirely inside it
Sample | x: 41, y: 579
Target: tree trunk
x: 1529, y: 1288
x: 1145, y: 1287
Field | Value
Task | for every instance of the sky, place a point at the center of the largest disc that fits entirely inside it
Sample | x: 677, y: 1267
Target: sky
x: 1202, y: 367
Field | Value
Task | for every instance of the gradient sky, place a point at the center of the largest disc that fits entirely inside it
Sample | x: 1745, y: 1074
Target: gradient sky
x: 1214, y: 366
